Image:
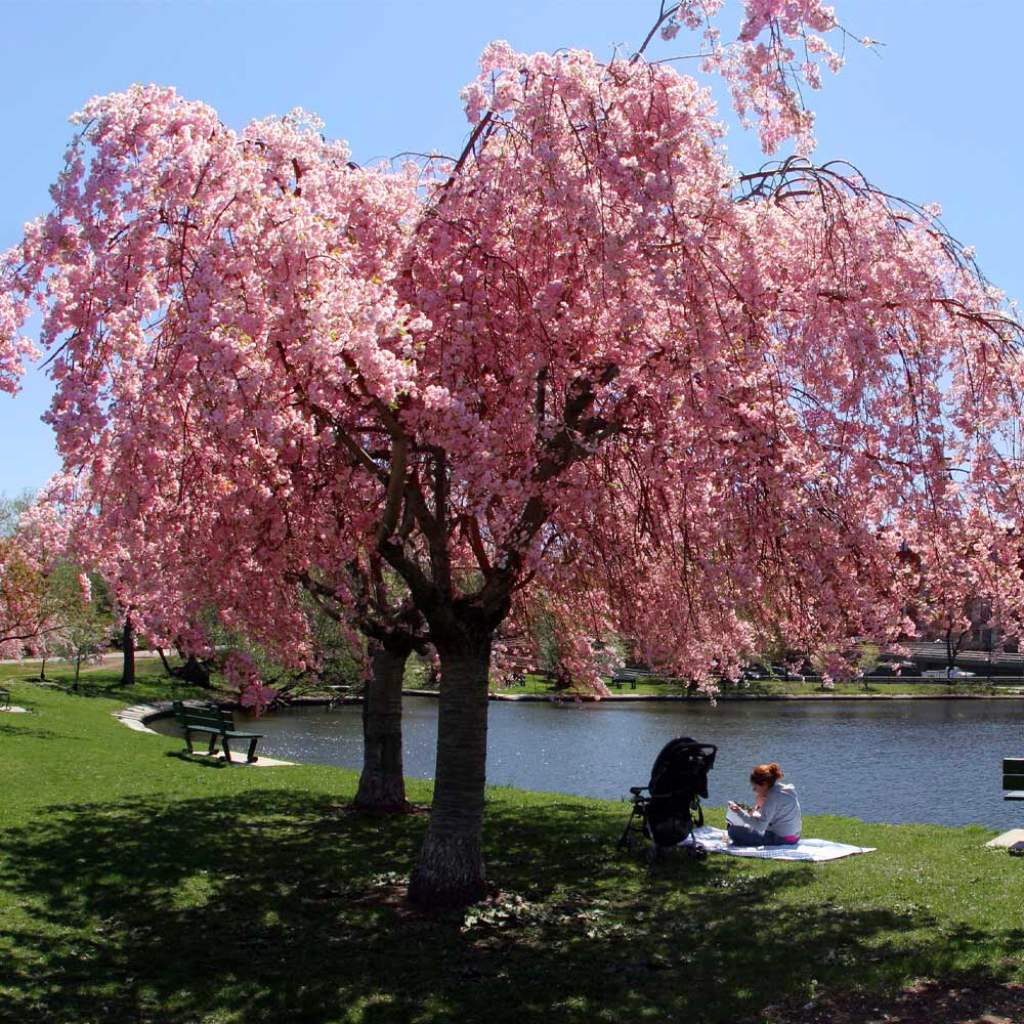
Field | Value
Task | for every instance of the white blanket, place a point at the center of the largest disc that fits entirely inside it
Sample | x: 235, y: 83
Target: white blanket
x: 715, y: 840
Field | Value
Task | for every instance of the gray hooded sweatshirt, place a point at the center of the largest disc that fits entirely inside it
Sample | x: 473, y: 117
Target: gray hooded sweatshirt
x: 780, y: 812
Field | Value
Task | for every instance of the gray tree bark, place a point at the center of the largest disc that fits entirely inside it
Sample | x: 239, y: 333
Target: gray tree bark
x: 382, y: 782
x: 450, y: 868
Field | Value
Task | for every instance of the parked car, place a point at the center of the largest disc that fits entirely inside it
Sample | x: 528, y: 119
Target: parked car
x: 895, y: 668
x: 947, y: 673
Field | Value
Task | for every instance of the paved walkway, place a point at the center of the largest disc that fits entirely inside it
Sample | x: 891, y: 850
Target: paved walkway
x: 109, y: 657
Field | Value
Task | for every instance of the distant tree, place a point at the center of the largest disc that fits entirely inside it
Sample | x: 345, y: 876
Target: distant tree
x: 961, y: 566
x: 82, y: 617
x: 23, y: 612
x: 32, y: 539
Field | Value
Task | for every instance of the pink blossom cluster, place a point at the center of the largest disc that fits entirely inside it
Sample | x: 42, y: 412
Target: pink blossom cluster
x: 15, y: 348
x: 242, y: 675
x: 762, y: 66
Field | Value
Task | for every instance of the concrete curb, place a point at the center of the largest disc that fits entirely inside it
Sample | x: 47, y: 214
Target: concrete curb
x: 138, y: 716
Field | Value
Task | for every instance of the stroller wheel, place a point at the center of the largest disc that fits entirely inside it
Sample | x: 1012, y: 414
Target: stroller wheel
x: 696, y: 852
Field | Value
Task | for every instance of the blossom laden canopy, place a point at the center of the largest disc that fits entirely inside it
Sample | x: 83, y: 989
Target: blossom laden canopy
x: 595, y: 310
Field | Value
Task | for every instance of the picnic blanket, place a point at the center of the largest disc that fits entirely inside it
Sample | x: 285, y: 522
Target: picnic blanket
x: 715, y: 840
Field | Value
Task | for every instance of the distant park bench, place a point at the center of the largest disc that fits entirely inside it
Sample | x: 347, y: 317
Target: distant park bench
x: 627, y: 675
x: 1013, y: 778
x: 216, y: 723
x: 5, y: 698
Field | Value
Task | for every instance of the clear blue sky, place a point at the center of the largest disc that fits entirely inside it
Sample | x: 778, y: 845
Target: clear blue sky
x: 934, y: 117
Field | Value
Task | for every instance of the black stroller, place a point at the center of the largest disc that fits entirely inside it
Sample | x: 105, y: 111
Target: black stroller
x: 667, y: 809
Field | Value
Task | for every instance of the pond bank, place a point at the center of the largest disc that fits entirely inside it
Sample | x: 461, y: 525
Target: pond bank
x: 702, y: 698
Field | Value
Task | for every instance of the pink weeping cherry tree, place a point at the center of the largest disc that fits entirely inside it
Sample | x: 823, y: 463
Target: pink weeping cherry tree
x: 586, y: 358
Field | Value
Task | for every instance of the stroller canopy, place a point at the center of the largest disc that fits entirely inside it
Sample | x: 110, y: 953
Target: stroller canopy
x: 668, y: 809
x: 682, y: 765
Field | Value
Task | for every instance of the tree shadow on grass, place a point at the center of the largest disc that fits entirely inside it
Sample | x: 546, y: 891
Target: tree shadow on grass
x: 275, y: 906
x: 30, y: 731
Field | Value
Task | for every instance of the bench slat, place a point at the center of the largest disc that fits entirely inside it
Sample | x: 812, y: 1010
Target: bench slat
x: 205, y: 716
x: 1013, y: 765
x: 214, y: 724
x: 1014, y: 794
x: 1013, y: 781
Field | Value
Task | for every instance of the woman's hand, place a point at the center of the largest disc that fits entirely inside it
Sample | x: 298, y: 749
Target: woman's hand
x: 733, y: 806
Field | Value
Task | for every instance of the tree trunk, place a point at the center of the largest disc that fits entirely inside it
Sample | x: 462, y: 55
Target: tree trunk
x: 194, y: 672
x: 42, y: 670
x: 78, y: 669
x: 166, y: 664
x: 382, y: 783
x: 450, y: 868
x: 128, y: 646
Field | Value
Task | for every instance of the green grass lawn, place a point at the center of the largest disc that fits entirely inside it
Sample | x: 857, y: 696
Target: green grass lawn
x: 139, y: 886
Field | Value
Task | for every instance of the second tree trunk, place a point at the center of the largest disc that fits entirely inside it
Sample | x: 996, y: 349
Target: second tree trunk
x: 382, y: 783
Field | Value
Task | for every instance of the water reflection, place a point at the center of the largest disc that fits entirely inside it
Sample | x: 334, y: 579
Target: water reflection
x: 920, y: 761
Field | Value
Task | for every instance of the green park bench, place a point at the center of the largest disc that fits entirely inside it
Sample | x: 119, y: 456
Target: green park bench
x: 1013, y: 778
x: 627, y: 675
x: 5, y: 698
x: 215, y: 722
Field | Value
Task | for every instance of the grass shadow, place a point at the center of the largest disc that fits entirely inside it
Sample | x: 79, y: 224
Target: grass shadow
x: 279, y: 905
x: 30, y: 731
x: 201, y: 760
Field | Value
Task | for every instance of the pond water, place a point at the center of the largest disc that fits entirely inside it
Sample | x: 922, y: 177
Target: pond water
x: 899, y: 761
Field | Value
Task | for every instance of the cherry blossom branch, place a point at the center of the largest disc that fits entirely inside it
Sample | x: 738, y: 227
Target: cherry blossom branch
x: 396, y: 487
x: 663, y: 16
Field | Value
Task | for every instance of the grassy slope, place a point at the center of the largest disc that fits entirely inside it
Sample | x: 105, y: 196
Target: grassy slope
x: 138, y: 886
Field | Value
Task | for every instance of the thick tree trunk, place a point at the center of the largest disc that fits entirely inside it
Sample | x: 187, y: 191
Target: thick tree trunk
x: 382, y: 783
x: 128, y: 646
x: 192, y: 671
x: 42, y: 670
x: 450, y: 869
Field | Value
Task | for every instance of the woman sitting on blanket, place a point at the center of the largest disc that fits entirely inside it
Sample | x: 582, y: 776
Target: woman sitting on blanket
x: 775, y: 819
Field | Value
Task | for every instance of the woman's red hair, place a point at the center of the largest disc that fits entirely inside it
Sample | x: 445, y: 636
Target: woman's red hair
x: 770, y: 773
